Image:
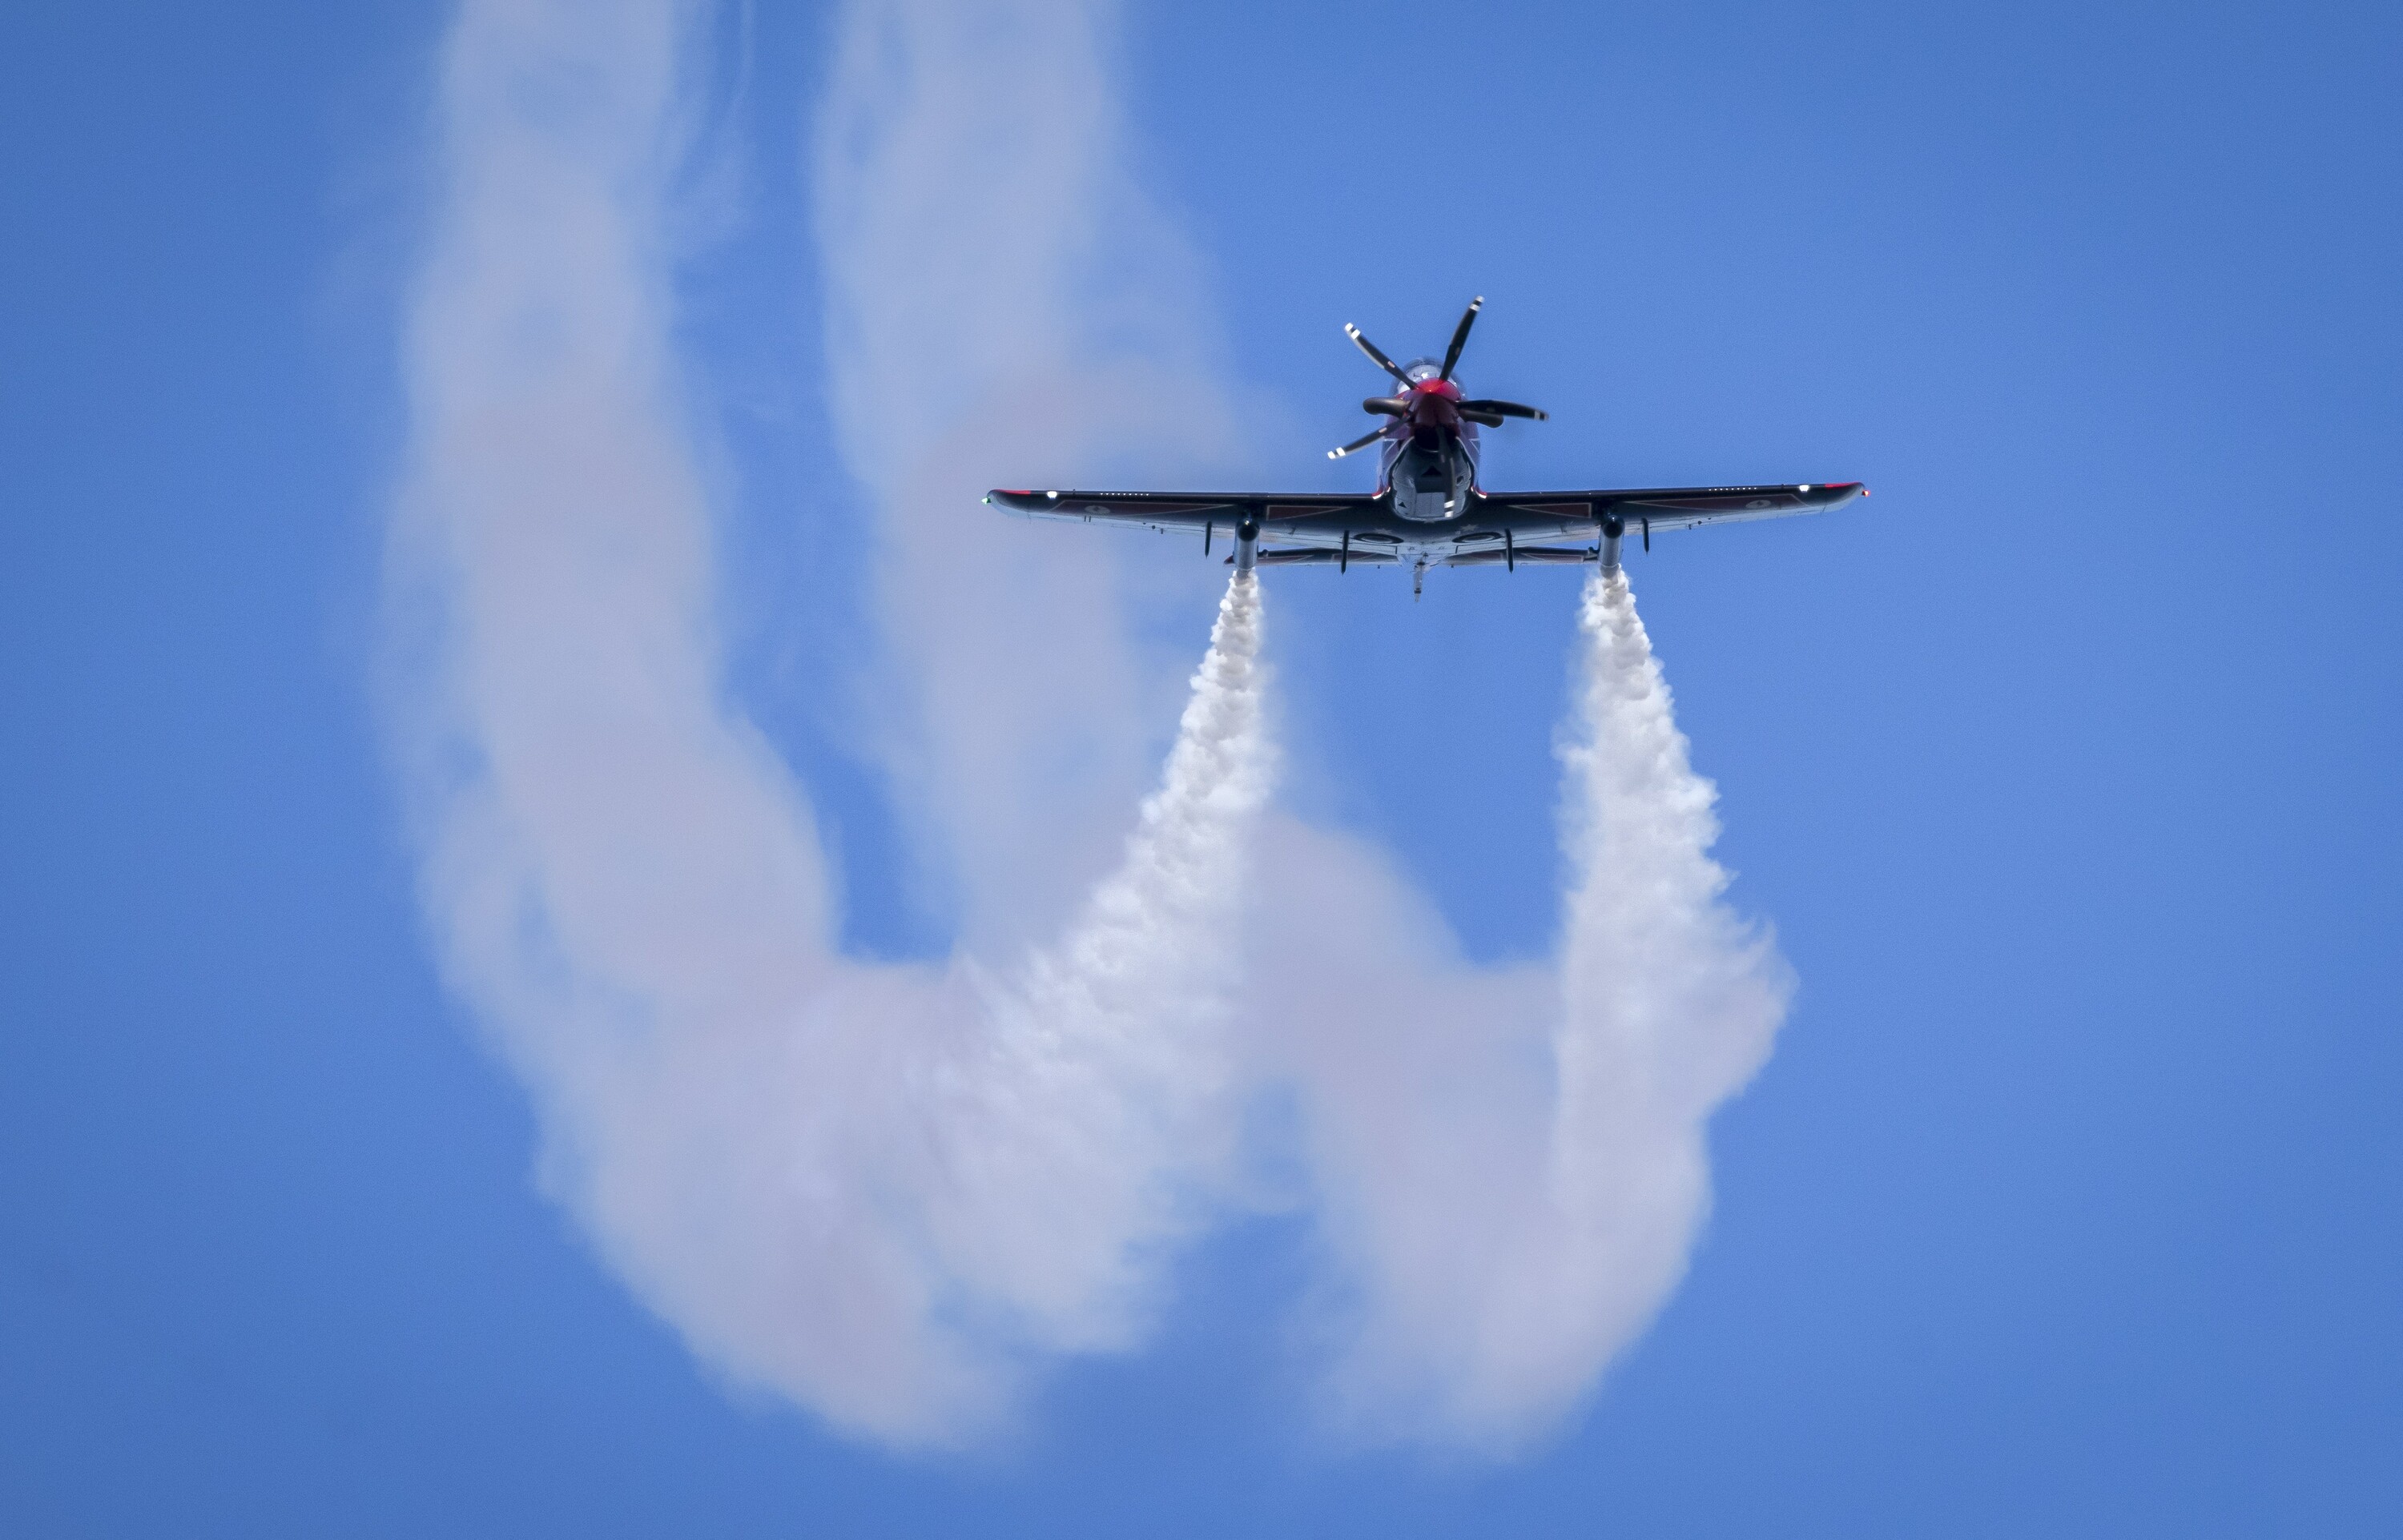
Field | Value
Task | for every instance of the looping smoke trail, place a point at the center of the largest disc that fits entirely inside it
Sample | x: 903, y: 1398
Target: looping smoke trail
x: 868, y: 1187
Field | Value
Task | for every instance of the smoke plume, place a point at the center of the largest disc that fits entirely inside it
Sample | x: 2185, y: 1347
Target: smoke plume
x: 885, y: 1191
x: 872, y: 1188
x: 1514, y: 1159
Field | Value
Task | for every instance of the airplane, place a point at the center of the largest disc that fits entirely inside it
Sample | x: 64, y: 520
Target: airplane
x: 1429, y: 509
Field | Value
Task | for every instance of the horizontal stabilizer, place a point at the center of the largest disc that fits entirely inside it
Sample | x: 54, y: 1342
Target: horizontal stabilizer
x: 1524, y: 554
x: 1330, y: 557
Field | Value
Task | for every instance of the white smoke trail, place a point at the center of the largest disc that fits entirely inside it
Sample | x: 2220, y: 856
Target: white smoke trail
x: 868, y: 1187
x: 1112, y: 1038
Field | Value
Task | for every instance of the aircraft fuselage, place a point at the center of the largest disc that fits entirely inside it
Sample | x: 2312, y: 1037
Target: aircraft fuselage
x: 1429, y: 459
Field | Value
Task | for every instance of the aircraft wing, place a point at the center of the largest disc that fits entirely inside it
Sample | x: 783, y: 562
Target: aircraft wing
x: 1494, y: 527
x: 1570, y: 513
x: 1280, y: 515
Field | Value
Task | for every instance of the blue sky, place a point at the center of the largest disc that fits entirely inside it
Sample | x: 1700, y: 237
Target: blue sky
x: 2069, y: 1199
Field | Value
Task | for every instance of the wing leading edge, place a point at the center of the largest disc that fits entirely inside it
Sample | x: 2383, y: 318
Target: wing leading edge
x: 1278, y: 513
x: 1671, y: 507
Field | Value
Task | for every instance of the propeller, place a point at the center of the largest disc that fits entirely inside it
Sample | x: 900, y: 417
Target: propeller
x: 1370, y: 349
x: 1460, y: 336
x: 1360, y: 443
x: 1485, y: 413
x: 1504, y: 408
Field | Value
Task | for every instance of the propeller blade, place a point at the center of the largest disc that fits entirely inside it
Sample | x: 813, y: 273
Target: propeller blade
x: 1360, y: 443
x: 1387, y: 406
x: 1460, y: 335
x: 1483, y: 419
x: 1506, y: 409
x: 1370, y: 349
